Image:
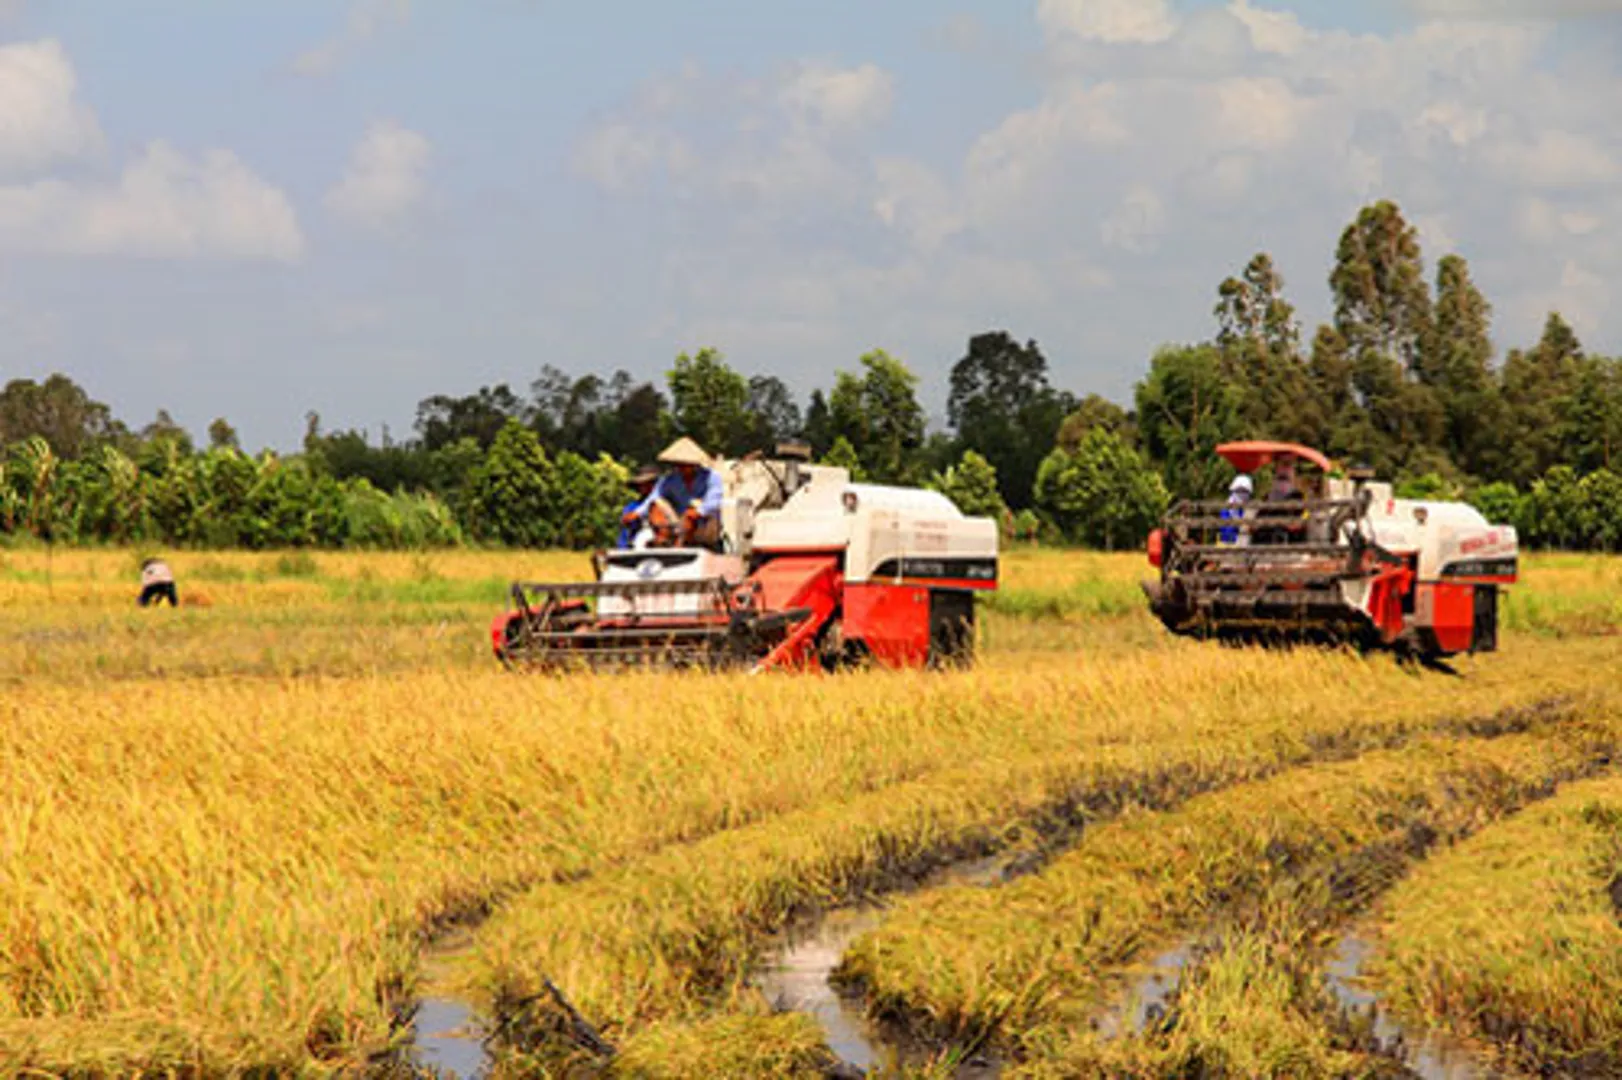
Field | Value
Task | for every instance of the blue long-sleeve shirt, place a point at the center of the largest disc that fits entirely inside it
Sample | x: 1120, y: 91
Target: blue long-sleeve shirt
x: 706, y: 489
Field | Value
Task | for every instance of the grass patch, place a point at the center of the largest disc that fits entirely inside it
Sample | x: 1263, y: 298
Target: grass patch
x: 1514, y: 936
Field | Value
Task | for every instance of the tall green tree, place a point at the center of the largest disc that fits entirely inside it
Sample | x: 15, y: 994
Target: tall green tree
x: 1594, y: 416
x: 774, y: 413
x: 1456, y: 360
x: 818, y: 430
x: 1345, y: 431
x: 1095, y: 411
x: 1260, y: 343
x: 511, y: 497
x: 57, y: 410
x: 842, y: 455
x: 1383, y: 314
x: 878, y: 413
x: 1538, y: 386
x: 222, y: 434
x: 1186, y: 406
x: 1382, y: 304
x: 711, y: 402
x: 443, y: 419
x: 1103, y: 495
x: 971, y: 484
x: 1001, y: 406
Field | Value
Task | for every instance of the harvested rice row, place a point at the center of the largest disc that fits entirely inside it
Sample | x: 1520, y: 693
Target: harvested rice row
x: 1516, y: 936
x: 672, y: 937
x: 1029, y: 962
x: 229, y: 873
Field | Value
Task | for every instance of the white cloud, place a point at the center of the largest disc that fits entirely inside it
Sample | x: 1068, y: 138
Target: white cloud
x: 619, y: 156
x: 1259, y: 112
x: 1185, y: 141
x: 1109, y: 21
x: 384, y: 177
x: 913, y: 199
x: 1556, y: 158
x: 1581, y: 295
x: 1462, y: 125
x: 1137, y: 223
x: 42, y: 122
x: 366, y: 19
x: 1516, y: 9
x: 802, y: 130
x: 1539, y: 221
x: 163, y: 205
x: 1581, y: 224
x: 839, y: 99
x: 1271, y: 31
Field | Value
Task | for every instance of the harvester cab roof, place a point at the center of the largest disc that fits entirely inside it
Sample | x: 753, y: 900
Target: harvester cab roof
x: 1348, y: 562
x: 813, y: 569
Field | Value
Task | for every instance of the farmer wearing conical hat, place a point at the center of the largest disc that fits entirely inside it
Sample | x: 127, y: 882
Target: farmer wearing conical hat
x: 692, y: 491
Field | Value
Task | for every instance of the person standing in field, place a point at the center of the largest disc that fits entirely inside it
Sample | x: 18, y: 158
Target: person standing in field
x: 157, y: 584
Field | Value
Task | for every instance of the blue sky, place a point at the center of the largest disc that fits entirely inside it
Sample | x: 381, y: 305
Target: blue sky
x: 259, y: 210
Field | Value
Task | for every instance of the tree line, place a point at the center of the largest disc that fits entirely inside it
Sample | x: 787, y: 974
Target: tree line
x: 1404, y: 378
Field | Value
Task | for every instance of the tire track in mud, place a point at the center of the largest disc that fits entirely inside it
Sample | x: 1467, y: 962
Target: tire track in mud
x: 1375, y: 1034
x: 1044, y: 831
x: 1329, y: 978
x: 1054, y: 824
x: 1325, y: 981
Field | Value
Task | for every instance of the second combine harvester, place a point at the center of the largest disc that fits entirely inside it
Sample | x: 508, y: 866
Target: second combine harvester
x: 1349, y: 561
x: 815, y: 572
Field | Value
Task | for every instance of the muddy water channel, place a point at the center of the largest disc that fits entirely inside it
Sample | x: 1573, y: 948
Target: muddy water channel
x: 1428, y: 1054
x: 446, y: 1037
x: 798, y: 976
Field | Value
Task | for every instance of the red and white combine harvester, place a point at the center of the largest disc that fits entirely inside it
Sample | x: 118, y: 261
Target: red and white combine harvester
x: 815, y: 572
x: 1346, y: 562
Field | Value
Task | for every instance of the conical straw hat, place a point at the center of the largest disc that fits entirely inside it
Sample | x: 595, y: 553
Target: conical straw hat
x: 685, y: 451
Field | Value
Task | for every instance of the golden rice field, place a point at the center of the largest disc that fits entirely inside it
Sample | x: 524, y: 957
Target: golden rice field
x: 234, y: 837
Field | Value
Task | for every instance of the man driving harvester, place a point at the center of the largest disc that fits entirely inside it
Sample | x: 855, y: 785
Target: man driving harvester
x: 684, y: 508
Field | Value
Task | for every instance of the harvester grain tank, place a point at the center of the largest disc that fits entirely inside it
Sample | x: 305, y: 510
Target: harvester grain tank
x: 1349, y: 562
x: 815, y: 571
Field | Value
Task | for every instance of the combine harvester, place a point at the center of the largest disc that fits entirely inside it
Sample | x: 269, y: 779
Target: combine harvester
x: 1350, y: 563
x: 816, y: 573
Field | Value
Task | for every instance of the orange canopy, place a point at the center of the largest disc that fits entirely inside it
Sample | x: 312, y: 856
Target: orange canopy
x: 1250, y: 456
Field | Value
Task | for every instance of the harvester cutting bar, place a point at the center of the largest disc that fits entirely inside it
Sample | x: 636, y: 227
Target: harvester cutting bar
x: 708, y: 623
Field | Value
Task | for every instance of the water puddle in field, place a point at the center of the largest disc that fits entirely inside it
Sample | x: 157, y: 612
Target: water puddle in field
x: 798, y: 976
x: 1144, y: 1000
x: 1429, y: 1055
x: 446, y: 1037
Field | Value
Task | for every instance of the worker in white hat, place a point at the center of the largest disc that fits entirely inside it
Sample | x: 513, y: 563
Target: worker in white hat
x: 692, y: 490
x: 1239, y: 493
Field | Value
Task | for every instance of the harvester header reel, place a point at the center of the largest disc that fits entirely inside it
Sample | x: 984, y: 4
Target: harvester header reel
x: 708, y: 623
